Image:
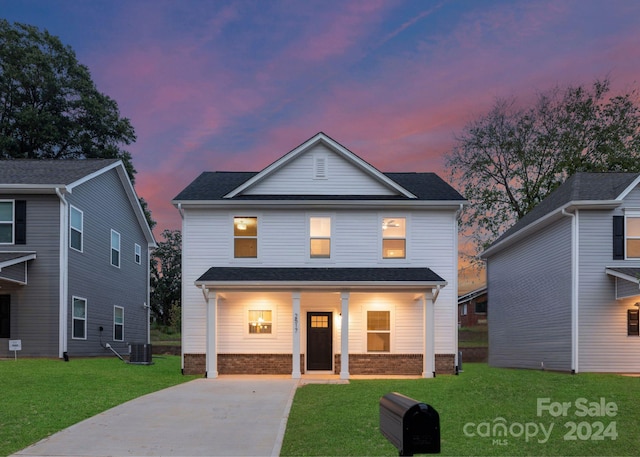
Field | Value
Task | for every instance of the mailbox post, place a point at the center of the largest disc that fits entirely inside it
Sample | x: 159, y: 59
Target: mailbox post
x: 412, y: 427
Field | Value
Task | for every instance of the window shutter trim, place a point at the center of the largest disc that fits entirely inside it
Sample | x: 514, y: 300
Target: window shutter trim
x: 618, y: 237
x: 21, y: 222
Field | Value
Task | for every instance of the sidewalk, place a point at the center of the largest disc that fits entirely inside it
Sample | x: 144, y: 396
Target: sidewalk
x: 228, y: 416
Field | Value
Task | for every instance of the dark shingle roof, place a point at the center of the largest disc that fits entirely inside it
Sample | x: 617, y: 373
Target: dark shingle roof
x: 215, y: 185
x: 49, y: 172
x: 226, y: 274
x: 579, y: 187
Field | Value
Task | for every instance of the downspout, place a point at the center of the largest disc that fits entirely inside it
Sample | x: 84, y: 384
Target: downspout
x: 63, y: 276
x: 574, y: 288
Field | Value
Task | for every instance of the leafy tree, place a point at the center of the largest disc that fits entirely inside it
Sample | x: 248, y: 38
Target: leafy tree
x: 51, y: 109
x: 508, y: 160
x: 166, y: 277
x: 49, y: 106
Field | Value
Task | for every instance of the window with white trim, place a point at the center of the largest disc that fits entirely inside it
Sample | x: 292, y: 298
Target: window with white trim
x: 378, y: 331
x: 260, y: 321
x: 245, y: 237
x: 115, y: 248
x: 394, y: 241
x: 320, y: 237
x: 76, y: 222
x: 118, y: 323
x: 6, y: 222
x: 79, y: 318
x: 138, y: 253
x: 632, y: 236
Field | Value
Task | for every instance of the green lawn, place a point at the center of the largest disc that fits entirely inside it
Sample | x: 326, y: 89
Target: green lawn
x: 43, y: 396
x: 337, y: 420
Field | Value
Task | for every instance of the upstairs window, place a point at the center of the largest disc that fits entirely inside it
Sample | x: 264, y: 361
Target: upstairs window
x: 115, y: 248
x: 320, y: 237
x: 394, y: 238
x: 138, y: 254
x: 245, y: 237
x: 76, y: 223
x: 632, y: 233
x: 118, y: 323
x: 6, y: 222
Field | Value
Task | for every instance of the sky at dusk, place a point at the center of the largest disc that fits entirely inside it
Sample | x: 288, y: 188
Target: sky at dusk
x: 234, y: 85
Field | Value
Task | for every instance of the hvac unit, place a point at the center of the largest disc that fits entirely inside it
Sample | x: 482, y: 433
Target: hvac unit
x: 140, y: 353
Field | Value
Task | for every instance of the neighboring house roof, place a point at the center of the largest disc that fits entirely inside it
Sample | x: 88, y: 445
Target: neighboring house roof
x: 582, y: 190
x: 471, y: 295
x: 271, y: 277
x: 51, y: 176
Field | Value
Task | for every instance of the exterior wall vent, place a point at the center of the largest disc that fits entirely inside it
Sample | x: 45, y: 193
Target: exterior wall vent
x: 320, y: 167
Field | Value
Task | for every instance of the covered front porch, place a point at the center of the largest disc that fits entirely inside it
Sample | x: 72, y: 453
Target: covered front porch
x: 275, y: 322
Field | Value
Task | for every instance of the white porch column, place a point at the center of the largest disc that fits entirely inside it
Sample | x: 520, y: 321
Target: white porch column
x: 212, y: 334
x: 295, y: 372
x: 429, y: 358
x: 344, y: 336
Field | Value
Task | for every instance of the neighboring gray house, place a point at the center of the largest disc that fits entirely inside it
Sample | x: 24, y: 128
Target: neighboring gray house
x: 563, y: 282
x: 74, y: 258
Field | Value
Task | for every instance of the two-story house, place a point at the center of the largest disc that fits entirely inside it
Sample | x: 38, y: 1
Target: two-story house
x: 319, y: 263
x: 74, y: 258
x: 563, y: 282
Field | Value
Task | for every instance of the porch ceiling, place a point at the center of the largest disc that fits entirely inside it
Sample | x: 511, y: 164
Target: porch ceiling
x: 320, y: 278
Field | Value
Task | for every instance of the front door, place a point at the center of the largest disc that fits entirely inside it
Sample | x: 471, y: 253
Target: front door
x: 319, y: 341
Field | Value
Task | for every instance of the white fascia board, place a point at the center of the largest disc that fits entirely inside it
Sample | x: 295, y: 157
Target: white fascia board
x: 409, y: 204
x: 94, y: 174
x: 548, y: 219
x: 23, y: 258
x: 31, y: 188
x: 407, y: 286
x: 344, y: 152
x: 629, y: 188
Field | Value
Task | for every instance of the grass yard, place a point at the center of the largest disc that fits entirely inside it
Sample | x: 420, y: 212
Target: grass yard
x: 483, y: 411
x: 43, y: 396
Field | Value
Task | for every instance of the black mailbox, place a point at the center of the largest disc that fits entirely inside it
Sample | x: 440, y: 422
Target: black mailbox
x: 412, y: 427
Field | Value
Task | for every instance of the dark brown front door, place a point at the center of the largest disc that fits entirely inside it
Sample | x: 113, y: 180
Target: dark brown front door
x: 319, y: 341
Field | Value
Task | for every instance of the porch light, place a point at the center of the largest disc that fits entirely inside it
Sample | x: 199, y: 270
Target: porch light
x: 637, y: 305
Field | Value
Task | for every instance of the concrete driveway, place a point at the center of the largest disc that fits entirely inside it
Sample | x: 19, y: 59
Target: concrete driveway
x: 228, y: 416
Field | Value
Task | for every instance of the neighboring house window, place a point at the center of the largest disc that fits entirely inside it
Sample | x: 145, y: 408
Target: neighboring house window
x: 378, y: 331
x: 394, y: 238
x: 464, y: 310
x: 245, y: 237
x: 481, y: 307
x: 5, y: 316
x: 138, y: 253
x: 79, y: 331
x: 118, y: 323
x: 633, y: 322
x: 6, y: 222
x: 115, y: 248
x: 76, y: 223
x: 320, y: 237
x: 632, y: 233
x: 260, y: 321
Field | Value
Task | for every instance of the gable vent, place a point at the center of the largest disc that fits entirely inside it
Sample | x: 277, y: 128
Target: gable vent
x: 320, y: 167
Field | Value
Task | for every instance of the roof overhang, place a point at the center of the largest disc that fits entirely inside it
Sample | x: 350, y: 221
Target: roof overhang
x: 546, y: 220
x: 13, y: 266
x: 321, y: 279
x: 627, y: 281
x: 311, y: 203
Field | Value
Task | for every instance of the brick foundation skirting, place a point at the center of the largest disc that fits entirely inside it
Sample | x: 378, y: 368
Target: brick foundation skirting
x: 359, y: 364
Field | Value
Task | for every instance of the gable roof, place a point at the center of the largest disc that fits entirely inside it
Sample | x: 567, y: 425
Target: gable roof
x: 582, y: 190
x: 220, y: 185
x: 52, y: 176
x: 320, y: 138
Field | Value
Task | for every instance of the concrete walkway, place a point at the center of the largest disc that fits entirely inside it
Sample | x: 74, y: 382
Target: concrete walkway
x: 228, y: 416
